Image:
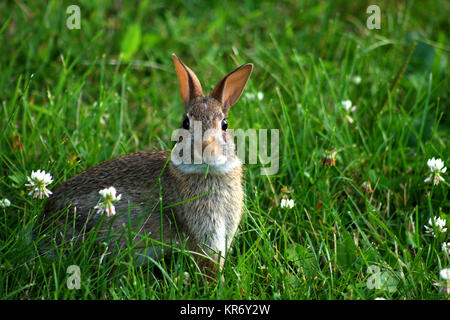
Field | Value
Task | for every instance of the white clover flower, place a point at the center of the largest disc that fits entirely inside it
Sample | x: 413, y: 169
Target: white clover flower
x: 252, y: 96
x: 437, y: 168
x: 38, y: 182
x: 287, y: 203
x: 436, y: 164
x: 5, y: 203
x: 445, y: 283
x: 445, y: 274
x: 444, y: 286
x: 109, y: 198
x: 356, y: 79
x: 446, y: 247
x: 186, y: 278
x: 438, y: 223
x: 348, y: 107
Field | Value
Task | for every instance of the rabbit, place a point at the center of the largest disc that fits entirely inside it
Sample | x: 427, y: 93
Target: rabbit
x: 201, y: 202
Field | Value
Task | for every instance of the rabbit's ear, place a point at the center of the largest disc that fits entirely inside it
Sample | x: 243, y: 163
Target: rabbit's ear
x: 190, y: 86
x: 230, y: 88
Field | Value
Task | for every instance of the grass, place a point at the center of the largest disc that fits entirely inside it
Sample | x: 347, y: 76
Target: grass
x: 73, y: 98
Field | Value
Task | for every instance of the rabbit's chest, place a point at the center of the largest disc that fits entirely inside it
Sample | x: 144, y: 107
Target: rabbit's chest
x: 213, y: 218
x: 215, y: 200
x: 214, y: 203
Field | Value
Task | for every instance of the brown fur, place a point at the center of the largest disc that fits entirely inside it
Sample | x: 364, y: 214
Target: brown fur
x: 211, y: 207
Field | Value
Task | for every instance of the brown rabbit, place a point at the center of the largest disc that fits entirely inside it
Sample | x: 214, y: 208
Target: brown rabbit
x: 164, y: 199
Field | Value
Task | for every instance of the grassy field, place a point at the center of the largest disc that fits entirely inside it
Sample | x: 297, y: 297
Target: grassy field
x: 70, y: 98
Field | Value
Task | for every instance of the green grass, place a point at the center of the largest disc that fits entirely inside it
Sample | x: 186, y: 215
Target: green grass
x: 72, y: 98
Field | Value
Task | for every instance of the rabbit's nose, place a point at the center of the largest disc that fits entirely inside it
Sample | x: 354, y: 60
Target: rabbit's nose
x: 207, y: 141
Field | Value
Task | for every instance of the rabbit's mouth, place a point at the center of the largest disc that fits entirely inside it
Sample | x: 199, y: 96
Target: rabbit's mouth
x: 214, y: 160
x: 210, y: 157
x: 225, y: 167
x: 210, y: 153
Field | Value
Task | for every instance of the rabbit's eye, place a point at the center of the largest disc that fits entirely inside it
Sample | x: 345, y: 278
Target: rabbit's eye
x: 186, y: 123
x: 224, y: 125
